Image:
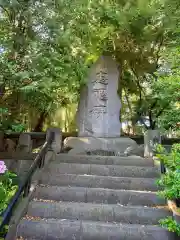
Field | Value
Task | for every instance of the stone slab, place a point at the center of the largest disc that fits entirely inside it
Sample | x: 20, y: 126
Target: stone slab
x: 135, y: 150
x: 99, y: 195
x: 118, y: 145
x: 141, y: 184
x: 49, y: 229
x: 96, y: 212
x: 62, y: 229
x: 104, y: 160
x: 104, y: 170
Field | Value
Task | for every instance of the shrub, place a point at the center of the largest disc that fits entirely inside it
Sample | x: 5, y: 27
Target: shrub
x: 8, y: 186
x: 170, y: 181
x: 170, y: 224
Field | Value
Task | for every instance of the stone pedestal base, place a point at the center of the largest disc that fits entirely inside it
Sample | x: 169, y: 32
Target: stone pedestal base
x: 81, y: 145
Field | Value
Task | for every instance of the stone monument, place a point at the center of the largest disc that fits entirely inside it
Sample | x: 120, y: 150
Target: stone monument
x: 99, y: 109
x: 99, y: 106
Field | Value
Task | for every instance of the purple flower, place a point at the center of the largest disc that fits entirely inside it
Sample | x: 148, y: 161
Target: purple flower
x: 3, y: 167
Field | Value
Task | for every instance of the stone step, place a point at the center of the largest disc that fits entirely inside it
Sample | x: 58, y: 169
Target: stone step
x: 53, y: 229
x: 103, y: 170
x: 98, y: 195
x: 104, y: 160
x: 96, y: 212
x: 50, y: 178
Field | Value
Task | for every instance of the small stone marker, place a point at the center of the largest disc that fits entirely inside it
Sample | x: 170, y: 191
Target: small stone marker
x: 151, y: 138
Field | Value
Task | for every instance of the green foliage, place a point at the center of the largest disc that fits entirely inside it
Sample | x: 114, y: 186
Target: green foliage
x: 47, y: 47
x: 6, y: 124
x: 170, y: 224
x: 7, y: 189
x: 41, y: 68
x: 159, y: 102
x: 171, y: 160
x: 137, y: 35
x: 170, y: 181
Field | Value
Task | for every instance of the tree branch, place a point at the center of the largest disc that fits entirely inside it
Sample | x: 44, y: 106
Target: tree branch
x: 138, y: 83
x: 4, y: 9
x: 159, y: 48
x: 162, y: 110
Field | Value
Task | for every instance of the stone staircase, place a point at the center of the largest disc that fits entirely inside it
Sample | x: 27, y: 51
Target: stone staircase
x: 96, y: 198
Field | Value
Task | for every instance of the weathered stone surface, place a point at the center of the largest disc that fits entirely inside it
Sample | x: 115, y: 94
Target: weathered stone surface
x: 54, y: 229
x: 123, y: 197
x: 104, y: 170
x: 104, y: 160
x: 96, y: 198
x: 65, y: 168
x: 24, y: 146
x: 49, y: 229
x: 151, y: 138
x: 141, y: 184
x: 84, y: 126
x: 99, y: 107
x: 135, y: 150
x: 57, y: 141
x: 77, y: 151
x: 96, y: 212
x: 82, y: 144
x: 98, y: 195
x: 107, y: 231
x: 24, y: 143
x: 69, y: 194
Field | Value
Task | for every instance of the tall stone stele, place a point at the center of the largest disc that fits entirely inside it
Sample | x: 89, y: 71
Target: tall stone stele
x: 99, y: 106
x: 98, y: 111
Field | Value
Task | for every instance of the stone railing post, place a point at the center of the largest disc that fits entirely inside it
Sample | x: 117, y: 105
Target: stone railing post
x: 24, y: 143
x: 24, y: 146
x: 56, y: 145
x: 151, y: 138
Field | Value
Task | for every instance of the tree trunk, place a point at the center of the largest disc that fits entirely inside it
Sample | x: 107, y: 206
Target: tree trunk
x: 152, y: 123
x: 40, y: 122
x: 119, y: 91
